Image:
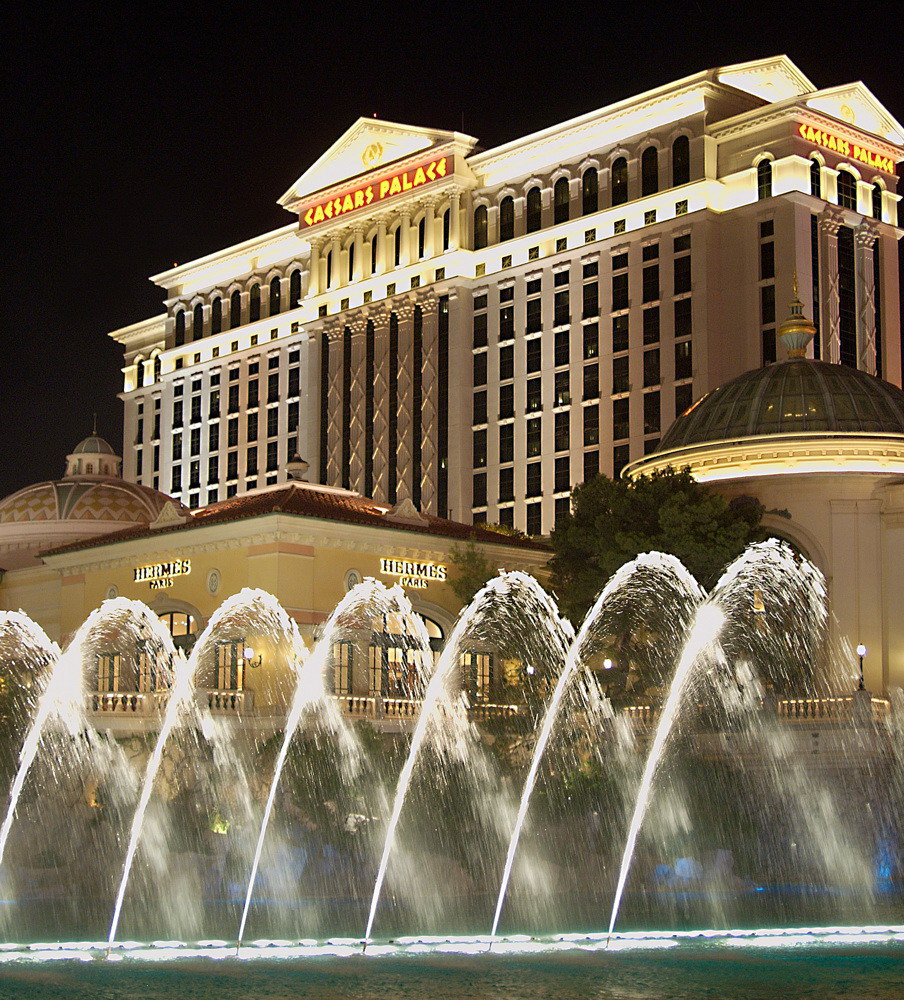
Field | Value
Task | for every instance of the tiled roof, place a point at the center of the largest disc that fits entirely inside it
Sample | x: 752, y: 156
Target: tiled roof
x: 309, y: 500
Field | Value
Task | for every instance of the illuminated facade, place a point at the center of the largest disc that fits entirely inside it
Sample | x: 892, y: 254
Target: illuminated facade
x: 479, y: 331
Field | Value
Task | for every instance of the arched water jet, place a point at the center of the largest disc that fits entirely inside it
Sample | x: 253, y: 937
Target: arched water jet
x: 662, y: 575
x: 503, y: 588
x: 372, y: 596
x: 266, y: 611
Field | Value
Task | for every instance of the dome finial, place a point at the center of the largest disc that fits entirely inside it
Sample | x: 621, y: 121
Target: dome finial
x: 94, y: 425
x: 797, y: 331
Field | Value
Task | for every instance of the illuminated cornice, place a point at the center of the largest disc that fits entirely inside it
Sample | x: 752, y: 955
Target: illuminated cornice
x: 781, y: 454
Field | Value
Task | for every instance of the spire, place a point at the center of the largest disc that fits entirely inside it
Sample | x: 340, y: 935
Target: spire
x: 94, y: 425
x: 797, y: 331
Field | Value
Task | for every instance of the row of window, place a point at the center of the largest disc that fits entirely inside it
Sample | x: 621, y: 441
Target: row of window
x: 590, y: 194
x: 846, y: 186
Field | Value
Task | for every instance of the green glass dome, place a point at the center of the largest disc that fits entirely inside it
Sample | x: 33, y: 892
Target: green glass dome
x: 795, y: 396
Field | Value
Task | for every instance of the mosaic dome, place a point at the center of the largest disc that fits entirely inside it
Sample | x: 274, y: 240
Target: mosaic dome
x: 88, y: 499
x: 790, y: 397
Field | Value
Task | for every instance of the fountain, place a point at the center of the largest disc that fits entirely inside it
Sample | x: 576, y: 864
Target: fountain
x: 683, y: 760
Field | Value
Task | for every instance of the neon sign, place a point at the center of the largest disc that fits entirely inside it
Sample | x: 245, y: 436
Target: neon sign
x: 845, y: 148
x: 388, y: 187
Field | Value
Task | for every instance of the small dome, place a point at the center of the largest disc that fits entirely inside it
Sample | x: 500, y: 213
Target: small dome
x: 790, y: 397
x: 93, y: 445
x: 110, y: 501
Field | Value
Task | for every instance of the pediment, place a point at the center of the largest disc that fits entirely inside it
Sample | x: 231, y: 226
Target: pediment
x: 367, y: 145
x: 773, y: 79
x: 855, y: 104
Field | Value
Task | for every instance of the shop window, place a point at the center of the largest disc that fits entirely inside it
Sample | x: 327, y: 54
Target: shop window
x: 343, y: 658
x: 109, y: 671
x: 230, y: 665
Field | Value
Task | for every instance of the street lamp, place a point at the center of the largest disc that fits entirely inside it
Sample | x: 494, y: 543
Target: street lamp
x: 861, y: 652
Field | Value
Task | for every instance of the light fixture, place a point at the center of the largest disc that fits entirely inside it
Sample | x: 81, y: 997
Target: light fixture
x: 861, y: 652
x: 607, y: 664
x: 248, y: 656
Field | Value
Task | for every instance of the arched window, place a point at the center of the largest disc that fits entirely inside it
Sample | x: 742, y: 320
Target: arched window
x: 197, y: 322
x: 216, y: 315
x: 620, y: 181
x: 480, y: 227
x: 560, y: 198
x: 815, y: 178
x: 180, y: 328
x: 590, y: 189
x: 329, y: 269
x: 422, y: 236
x: 275, y: 296
x: 351, y: 261
x: 506, y: 219
x: 254, y: 304
x: 877, y: 201
x: 681, y: 161
x: 374, y: 247
x: 534, y: 210
x: 447, y: 221
x: 397, y: 237
x: 847, y: 189
x: 764, y: 179
x: 295, y: 289
x: 156, y: 367
x: 235, y: 309
x: 649, y: 171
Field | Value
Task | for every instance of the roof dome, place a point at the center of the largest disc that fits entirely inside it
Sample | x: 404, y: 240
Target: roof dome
x: 93, y: 445
x: 791, y: 397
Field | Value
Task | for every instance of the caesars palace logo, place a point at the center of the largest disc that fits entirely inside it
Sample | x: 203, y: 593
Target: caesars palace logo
x: 368, y: 194
x: 851, y: 149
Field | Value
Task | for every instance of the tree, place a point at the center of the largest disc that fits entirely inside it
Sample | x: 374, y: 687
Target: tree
x: 613, y: 521
x: 471, y: 570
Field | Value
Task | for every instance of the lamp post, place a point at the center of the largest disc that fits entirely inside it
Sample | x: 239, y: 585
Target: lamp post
x: 861, y: 652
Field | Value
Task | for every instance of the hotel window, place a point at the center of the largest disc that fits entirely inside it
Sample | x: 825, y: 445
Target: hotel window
x: 877, y: 201
x: 196, y: 409
x: 620, y: 418
x: 767, y: 305
x: 506, y: 401
x: 273, y: 387
x: 682, y: 274
x: 562, y: 509
x: 620, y: 382
x: 592, y: 425
x: 252, y: 427
x: 534, y: 212
x: 479, y: 488
x: 232, y: 465
x: 562, y: 388
x: 591, y: 465
x: 684, y: 397
x: 534, y: 315
x: 592, y: 381
x: 177, y: 447
x: 421, y: 240
x: 480, y: 330
x: 534, y: 479
x: 560, y: 197
x: 447, y: 217
x: 591, y: 300
x: 232, y: 432
x: 506, y: 362
x: 294, y: 378
x: 561, y: 308
x: 534, y: 518
x: 194, y: 475
x: 254, y: 304
x: 343, y: 653
x: 235, y: 309
x: 177, y: 479
x: 138, y: 463
x: 561, y: 348
x: 213, y: 469
x: 620, y: 181
x: 292, y: 414
x: 534, y: 395
x: 649, y: 171
x: 397, y: 245
x: 180, y: 328
x: 590, y: 201
x: 847, y: 189
x: 480, y: 369
x: 764, y: 179
x: 562, y: 431
x: 251, y: 461
x: 533, y: 438
x: 507, y: 443
x: 195, y: 441
x: 619, y: 292
x: 214, y: 405
x: 651, y: 325
x: 619, y: 333
x: 272, y: 421
x: 480, y: 407
x: 620, y: 457
x: 651, y: 367
x: 651, y: 283
x: 272, y: 456
x: 177, y: 413
x: 815, y: 178
x: 591, y: 337
x: 682, y: 318
x: 847, y: 301
x: 295, y: 289
x: 506, y: 487
x: 684, y: 360
x: 507, y: 219
x: 651, y: 419
x: 534, y: 355
x: 479, y: 453
x: 213, y: 437
x: 507, y: 323
x: 275, y: 296
x: 197, y: 322
x: 681, y: 161
x: 480, y: 227
x: 562, y: 480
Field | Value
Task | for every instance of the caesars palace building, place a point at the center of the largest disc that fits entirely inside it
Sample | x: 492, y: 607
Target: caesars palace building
x: 480, y: 330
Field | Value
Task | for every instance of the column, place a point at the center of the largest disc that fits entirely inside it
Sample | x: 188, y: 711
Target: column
x: 336, y: 250
x: 359, y: 253
x: 830, y: 222
x: 429, y: 229
x: 404, y: 311
x: 381, y: 246
x: 381, y: 404
x: 405, y: 228
x: 864, y: 240
x: 357, y: 409
x: 334, y: 408
x: 455, y: 220
x: 429, y: 410
x: 314, y: 285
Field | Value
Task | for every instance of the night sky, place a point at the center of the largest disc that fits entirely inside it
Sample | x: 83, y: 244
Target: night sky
x: 134, y: 142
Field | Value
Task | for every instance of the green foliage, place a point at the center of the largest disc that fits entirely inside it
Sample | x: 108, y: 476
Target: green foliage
x: 613, y: 521
x: 471, y: 570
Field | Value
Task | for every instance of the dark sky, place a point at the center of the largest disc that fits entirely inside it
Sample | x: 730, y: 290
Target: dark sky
x: 134, y: 141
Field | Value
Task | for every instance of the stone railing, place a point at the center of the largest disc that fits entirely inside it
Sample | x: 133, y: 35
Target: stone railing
x: 360, y: 707
x: 135, y: 703
x: 222, y: 702
x: 842, y: 708
x: 644, y: 715
x: 485, y: 710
